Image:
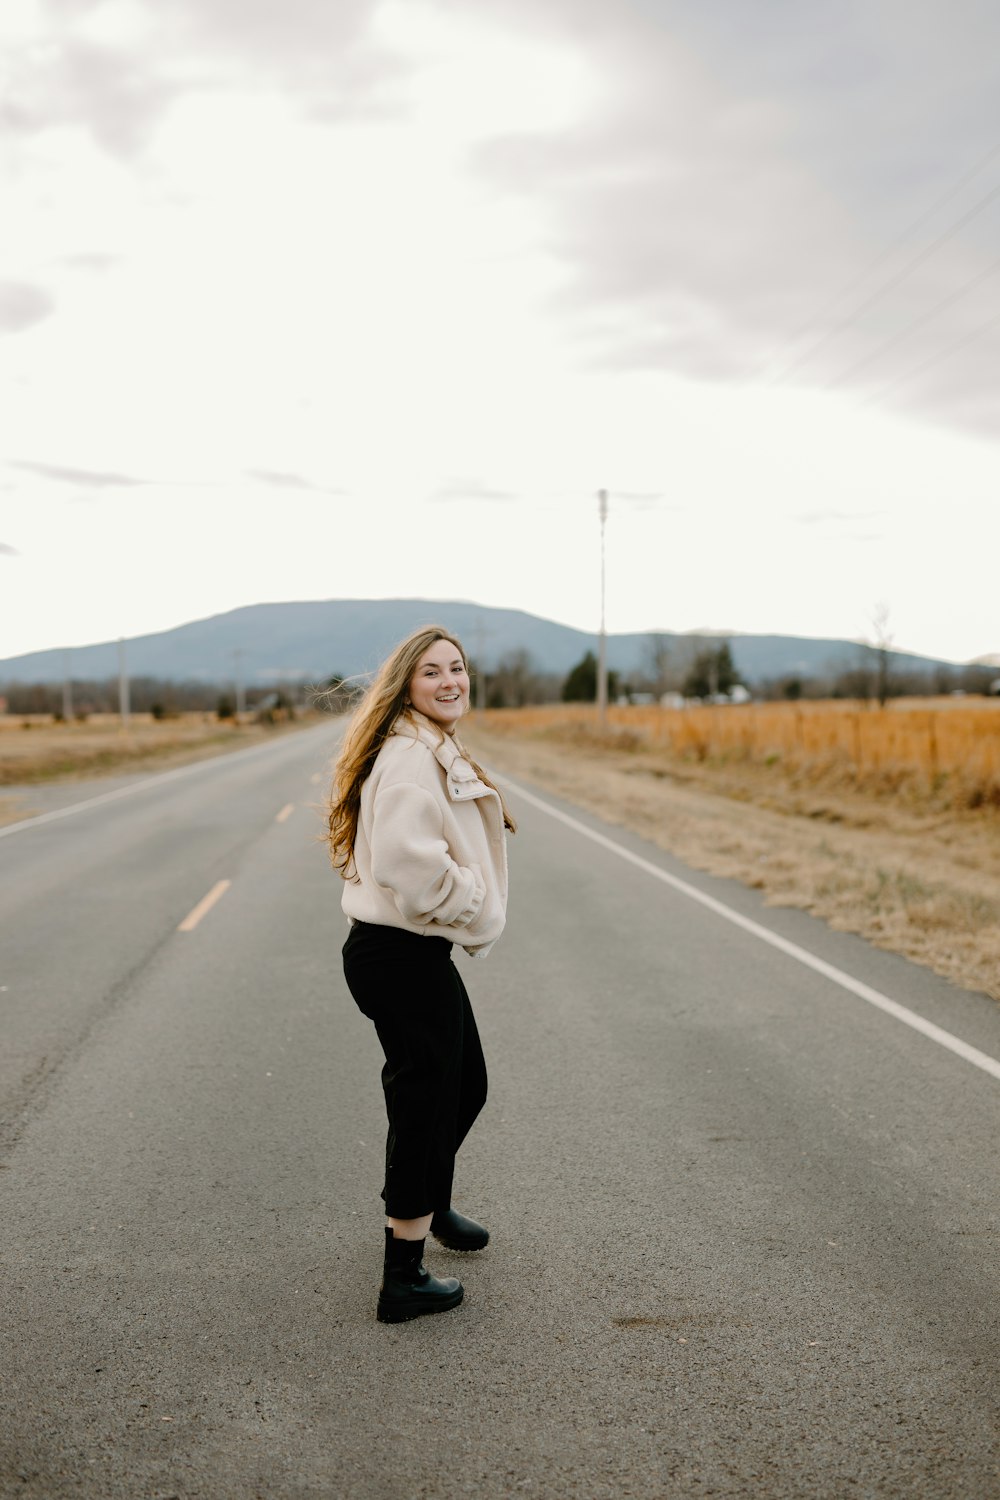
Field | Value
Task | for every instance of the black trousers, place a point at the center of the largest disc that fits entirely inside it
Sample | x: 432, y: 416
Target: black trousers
x: 434, y: 1076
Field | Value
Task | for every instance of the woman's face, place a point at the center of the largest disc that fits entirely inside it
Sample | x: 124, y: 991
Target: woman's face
x: 439, y: 688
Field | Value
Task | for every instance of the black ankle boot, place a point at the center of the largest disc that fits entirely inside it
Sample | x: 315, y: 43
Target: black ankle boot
x: 458, y: 1233
x: 408, y: 1288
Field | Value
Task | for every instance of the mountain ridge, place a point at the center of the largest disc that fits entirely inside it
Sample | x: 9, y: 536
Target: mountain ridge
x: 311, y: 640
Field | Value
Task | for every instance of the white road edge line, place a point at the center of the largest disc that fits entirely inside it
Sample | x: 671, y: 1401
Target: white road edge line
x: 206, y: 903
x: 136, y: 786
x: 792, y: 950
x: 286, y: 812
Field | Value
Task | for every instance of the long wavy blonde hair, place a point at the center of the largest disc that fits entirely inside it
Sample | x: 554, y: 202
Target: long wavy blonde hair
x: 385, y: 701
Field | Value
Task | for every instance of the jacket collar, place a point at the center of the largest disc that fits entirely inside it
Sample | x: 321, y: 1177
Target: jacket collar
x: 448, y: 751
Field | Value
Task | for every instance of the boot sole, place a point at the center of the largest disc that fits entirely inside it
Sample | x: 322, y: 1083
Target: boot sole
x: 405, y: 1312
x: 464, y: 1247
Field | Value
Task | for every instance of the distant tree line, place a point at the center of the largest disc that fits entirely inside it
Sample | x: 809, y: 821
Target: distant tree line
x: 702, y: 667
x: 161, y: 697
x: 693, y: 667
x: 872, y: 679
x: 697, y: 667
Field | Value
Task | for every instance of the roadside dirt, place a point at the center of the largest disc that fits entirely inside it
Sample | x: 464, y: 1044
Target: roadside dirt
x: 918, y: 881
x: 46, y: 754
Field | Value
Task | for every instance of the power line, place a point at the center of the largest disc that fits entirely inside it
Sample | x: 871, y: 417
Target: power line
x: 899, y: 241
x: 935, y: 359
x: 926, y: 317
x: 892, y: 282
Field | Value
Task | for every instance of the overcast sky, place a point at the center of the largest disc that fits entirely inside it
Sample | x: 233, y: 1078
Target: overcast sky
x: 350, y: 299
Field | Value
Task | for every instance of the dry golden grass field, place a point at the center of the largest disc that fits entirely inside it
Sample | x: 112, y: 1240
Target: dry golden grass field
x: 885, y: 823
x: 37, y: 750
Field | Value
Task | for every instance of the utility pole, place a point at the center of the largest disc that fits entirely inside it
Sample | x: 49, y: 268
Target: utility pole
x: 123, y: 697
x: 67, y: 708
x: 481, y: 633
x: 238, y: 684
x: 602, y: 643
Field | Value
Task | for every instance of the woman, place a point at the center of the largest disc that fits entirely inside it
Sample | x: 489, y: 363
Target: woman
x: 417, y: 832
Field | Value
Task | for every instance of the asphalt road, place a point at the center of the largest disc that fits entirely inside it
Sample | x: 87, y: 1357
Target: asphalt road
x: 744, y: 1221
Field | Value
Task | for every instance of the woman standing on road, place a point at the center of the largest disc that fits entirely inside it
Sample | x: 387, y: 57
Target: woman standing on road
x: 417, y: 833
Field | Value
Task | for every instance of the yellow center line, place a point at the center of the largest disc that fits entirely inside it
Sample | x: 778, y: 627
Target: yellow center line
x: 206, y: 903
x: 286, y: 812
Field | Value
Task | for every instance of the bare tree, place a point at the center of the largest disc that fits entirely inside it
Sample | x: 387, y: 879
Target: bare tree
x: 658, y: 663
x: 688, y: 649
x: 881, y: 644
x: 516, y: 680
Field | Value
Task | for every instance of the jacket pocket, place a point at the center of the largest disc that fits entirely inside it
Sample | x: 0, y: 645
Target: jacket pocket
x: 469, y: 916
x: 489, y: 921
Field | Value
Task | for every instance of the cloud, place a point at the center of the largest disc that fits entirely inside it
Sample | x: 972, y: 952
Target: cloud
x: 118, y: 85
x: 298, y: 32
x: 93, y: 479
x: 285, y: 481
x: 327, y: 55
x: 819, y: 517
x: 468, y: 489
x: 7, y: 551
x: 115, y: 93
x: 733, y: 171
x: 90, y: 260
x: 22, y: 306
x: 642, y: 500
x: 747, y: 165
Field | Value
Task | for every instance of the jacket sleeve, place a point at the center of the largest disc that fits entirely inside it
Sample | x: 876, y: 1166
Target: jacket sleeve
x: 410, y: 858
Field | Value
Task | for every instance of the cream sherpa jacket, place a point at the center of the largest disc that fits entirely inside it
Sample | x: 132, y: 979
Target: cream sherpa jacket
x: 430, y: 854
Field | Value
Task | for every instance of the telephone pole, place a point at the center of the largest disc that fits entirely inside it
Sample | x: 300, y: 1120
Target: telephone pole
x: 241, y: 706
x: 602, y: 643
x: 481, y: 632
x: 67, y: 692
x: 123, y: 693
